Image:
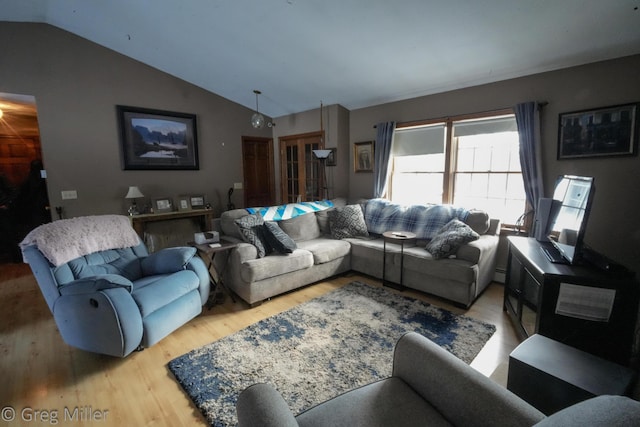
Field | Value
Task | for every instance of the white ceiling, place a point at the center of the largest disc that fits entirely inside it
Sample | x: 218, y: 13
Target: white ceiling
x: 355, y: 53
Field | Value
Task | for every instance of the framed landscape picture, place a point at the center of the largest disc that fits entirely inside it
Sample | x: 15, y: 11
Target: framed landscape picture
x: 607, y: 131
x: 157, y: 140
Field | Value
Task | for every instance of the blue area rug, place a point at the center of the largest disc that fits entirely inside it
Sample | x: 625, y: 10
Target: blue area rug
x: 319, y: 349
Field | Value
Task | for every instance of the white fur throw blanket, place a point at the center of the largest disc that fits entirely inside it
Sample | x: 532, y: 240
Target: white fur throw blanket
x: 67, y: 239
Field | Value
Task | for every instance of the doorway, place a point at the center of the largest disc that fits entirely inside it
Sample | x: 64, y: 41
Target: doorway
x: 258, y: 174
x: 24, y: 202
x: 300, y: 168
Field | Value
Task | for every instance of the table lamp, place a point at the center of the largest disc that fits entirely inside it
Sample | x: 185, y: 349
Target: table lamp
x: 133, y: 193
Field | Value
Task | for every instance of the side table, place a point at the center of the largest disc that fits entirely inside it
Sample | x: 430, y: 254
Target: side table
x: 208, y: 254
x: 399, y: 238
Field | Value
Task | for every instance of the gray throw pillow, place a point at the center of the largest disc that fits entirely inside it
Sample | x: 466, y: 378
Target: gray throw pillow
x: 278, y: 239
x: 250, y: 227
x: 347, y: 221
x: 449, y: 238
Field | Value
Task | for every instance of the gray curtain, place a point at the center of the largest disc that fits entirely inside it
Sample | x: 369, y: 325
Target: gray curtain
x: 528, y: 121
x: 382, y: 157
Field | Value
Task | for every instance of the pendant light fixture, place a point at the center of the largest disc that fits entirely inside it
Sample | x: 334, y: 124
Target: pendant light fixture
x: 257, y: 119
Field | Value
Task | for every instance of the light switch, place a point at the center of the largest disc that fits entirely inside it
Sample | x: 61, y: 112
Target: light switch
x: 69, y: 194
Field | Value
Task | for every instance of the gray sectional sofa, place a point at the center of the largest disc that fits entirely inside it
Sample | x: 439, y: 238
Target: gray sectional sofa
x: 323, y: 251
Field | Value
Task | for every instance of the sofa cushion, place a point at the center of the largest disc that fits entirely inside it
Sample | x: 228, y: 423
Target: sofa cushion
x: 451, y: 269
x: 278, y: 239
x: 228, y: 222
x: 478, y: 221
x: 168, y: 260
x: 301, y: 228
x: 347, y: 222
x: 275, y: 265
x: 154, y: 292
x: 325, y: 250
x: 323, y: 216
x: 390, y: 402
x: 449, y: 238
x: 250, y: 227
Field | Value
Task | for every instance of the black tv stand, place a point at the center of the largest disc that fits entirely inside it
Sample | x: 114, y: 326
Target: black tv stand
x: 585, y: 307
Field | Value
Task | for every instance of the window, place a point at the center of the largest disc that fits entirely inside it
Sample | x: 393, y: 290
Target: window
x: 470, y: 162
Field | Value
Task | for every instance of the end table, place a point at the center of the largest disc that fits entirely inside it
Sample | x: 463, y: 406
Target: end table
x: 208, y: 254
x: 399, y: 238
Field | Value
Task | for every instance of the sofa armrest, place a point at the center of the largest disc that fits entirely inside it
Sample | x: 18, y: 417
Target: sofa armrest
x: 460, y: 393
x: 260, y: 405
x: 494, y: 227
x: 89, y: 285
x: 168, y: 260
x: 473, y: 251
x: 243, y: 252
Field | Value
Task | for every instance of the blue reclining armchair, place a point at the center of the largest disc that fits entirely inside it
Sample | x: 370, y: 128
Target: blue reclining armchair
x: 116, y: 299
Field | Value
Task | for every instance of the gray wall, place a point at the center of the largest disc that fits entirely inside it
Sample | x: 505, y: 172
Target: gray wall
x: 614, y: 229
x: 77, y: 85
x: 336, y: 128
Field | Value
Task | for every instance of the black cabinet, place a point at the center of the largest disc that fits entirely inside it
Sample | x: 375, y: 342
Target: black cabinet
x: 584, y: 307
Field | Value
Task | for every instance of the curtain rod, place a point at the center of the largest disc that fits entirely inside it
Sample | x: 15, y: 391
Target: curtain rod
x: 540, y: 105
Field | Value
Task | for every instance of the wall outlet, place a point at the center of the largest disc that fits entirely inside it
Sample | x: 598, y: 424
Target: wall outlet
x: 237, y: 186
x: 69, y: 194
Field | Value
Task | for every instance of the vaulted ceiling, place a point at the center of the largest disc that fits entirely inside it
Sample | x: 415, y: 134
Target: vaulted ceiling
x: 355, y: 53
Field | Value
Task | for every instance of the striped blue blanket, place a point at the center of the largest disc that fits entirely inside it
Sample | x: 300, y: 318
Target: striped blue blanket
x: 290, y: 210
x: 423, y: 220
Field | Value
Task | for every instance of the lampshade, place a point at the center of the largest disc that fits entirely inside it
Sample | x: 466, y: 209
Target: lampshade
x: 321, y: 154
x: 134, y: 193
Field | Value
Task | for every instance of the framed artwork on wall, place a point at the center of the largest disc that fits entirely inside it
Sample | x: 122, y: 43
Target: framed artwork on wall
x: 606, y: 131
x: 363, y: 156
x: 162, y: 205
x: 157, y: 140
x: 332, y: 160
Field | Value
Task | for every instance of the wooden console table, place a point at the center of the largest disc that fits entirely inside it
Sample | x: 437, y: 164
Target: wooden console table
x: 139, y: 221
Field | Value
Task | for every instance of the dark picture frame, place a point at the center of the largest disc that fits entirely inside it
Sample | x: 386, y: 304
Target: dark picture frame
x: 605, y: 131
x: 157, y: 140
x: 332, y: 160
x: 363, y: 156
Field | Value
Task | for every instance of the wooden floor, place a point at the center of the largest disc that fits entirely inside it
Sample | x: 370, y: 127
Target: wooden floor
x: 44, y: 378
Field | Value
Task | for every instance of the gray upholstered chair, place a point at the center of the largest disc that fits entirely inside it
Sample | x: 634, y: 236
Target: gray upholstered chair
x: 429, y: 387
x: 107, y: 294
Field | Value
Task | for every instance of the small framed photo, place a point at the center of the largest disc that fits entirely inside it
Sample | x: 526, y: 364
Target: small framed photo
x: 363, y: 156
x: 184, y: 203
x: 162, y: 205
x: 197, y: 201
x: 332, y: 159
x: 606, y: 131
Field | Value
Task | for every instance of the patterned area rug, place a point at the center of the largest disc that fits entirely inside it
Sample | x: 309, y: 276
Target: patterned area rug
x: 319, y: 349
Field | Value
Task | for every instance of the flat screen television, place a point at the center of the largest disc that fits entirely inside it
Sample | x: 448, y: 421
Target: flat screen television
x: 574, y: 194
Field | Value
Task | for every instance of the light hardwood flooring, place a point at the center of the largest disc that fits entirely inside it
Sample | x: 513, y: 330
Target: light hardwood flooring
x: 43, y: 378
